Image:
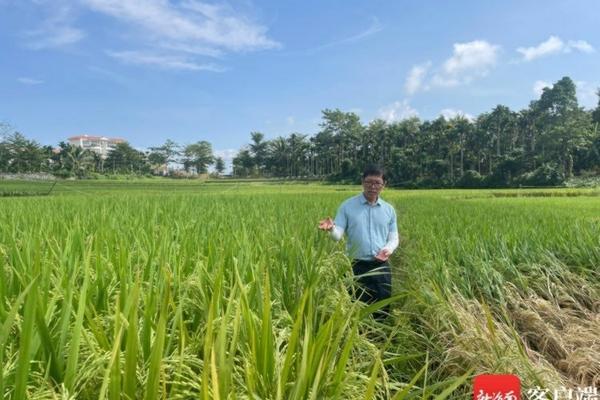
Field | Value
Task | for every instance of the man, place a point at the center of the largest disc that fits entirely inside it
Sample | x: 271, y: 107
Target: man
x: 370, y: 225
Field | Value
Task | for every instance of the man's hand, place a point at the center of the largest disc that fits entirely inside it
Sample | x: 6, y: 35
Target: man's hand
x: 326, y: 224
x: 383, y: 255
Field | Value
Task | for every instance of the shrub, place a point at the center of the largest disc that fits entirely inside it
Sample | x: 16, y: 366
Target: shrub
x: 470, y: 179
x: 545, y: 175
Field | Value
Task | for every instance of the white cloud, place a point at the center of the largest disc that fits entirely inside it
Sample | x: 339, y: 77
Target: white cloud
x: 227, y: 155
x: 539, y: 86
x: 554, y: 45
x: 54, y: 36
x: 551, y: 46
x: 415, y: 78
x: 55, y: 31
x: 469, y: 61
x: 581, y: 45
x: 164, y: 33
x: 29, y: 81
x: 587, y: 94
x: 192, y: 23
x: 290, y: 120
x: 450, y: 113
x: 162, y: 61
x: 191, y: 49
x: 397, y: 111
x: 477, y: 55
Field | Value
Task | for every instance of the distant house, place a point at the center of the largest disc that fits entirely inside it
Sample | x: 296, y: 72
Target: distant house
x: 98, y: 144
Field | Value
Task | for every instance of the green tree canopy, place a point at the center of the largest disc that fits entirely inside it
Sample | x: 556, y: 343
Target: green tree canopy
x: 199, y: 156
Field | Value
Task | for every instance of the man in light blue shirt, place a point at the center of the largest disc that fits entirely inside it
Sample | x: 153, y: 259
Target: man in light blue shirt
x: 370, y: 225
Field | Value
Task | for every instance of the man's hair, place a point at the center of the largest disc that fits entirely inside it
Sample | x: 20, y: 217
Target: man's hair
x: 373, y: 170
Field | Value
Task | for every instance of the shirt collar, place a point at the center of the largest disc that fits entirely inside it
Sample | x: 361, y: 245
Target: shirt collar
x: 363, y: 200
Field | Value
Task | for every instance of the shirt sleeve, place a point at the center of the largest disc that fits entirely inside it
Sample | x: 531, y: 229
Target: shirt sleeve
x: 340, y: 223
x: 336, y: 233
x: 392, y: 242
x: 393, y: 238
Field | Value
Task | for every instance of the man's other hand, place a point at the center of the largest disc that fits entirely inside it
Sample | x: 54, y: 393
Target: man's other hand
x: 383, y: 255
x: 326, y: 224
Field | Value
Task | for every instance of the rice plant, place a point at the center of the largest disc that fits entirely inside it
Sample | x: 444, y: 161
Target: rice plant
x: 132, y: 290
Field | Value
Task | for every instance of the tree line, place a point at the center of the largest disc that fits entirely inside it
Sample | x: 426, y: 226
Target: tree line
x: 21, y: 155
x: 550, y: 141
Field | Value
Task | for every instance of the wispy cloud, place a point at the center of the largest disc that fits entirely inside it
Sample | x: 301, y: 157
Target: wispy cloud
x: 415, y: 78
x: 191, y: 24
x: 397, y: 111
x: 162, y: 61
x: 374, y: 27
x: 191, y: 49
x: 30, y: 81
x: 554, y: 45
x: 173, y: 34
x: 580, y: 45
x: 55, y: 31
x: 53, y: 37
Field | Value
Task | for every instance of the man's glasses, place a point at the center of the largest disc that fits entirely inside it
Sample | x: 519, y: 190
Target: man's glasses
x: 376, y: 184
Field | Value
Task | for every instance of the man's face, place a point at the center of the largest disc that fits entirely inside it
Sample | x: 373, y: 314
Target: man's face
x: 373, y: 185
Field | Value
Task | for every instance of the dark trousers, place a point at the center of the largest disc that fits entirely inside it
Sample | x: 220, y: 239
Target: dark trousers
x: 374, y: 283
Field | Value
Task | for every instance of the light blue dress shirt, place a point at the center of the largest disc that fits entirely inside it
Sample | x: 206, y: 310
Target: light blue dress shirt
x: 369, y: 227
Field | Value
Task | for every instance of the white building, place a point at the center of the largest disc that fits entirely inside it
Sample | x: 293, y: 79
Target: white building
x: 98, y: 144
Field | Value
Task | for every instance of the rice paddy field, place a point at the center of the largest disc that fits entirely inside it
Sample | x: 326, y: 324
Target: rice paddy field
x: 183, y: 290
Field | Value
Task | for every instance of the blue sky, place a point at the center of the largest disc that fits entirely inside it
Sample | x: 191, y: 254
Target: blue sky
x: 189, y: 70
